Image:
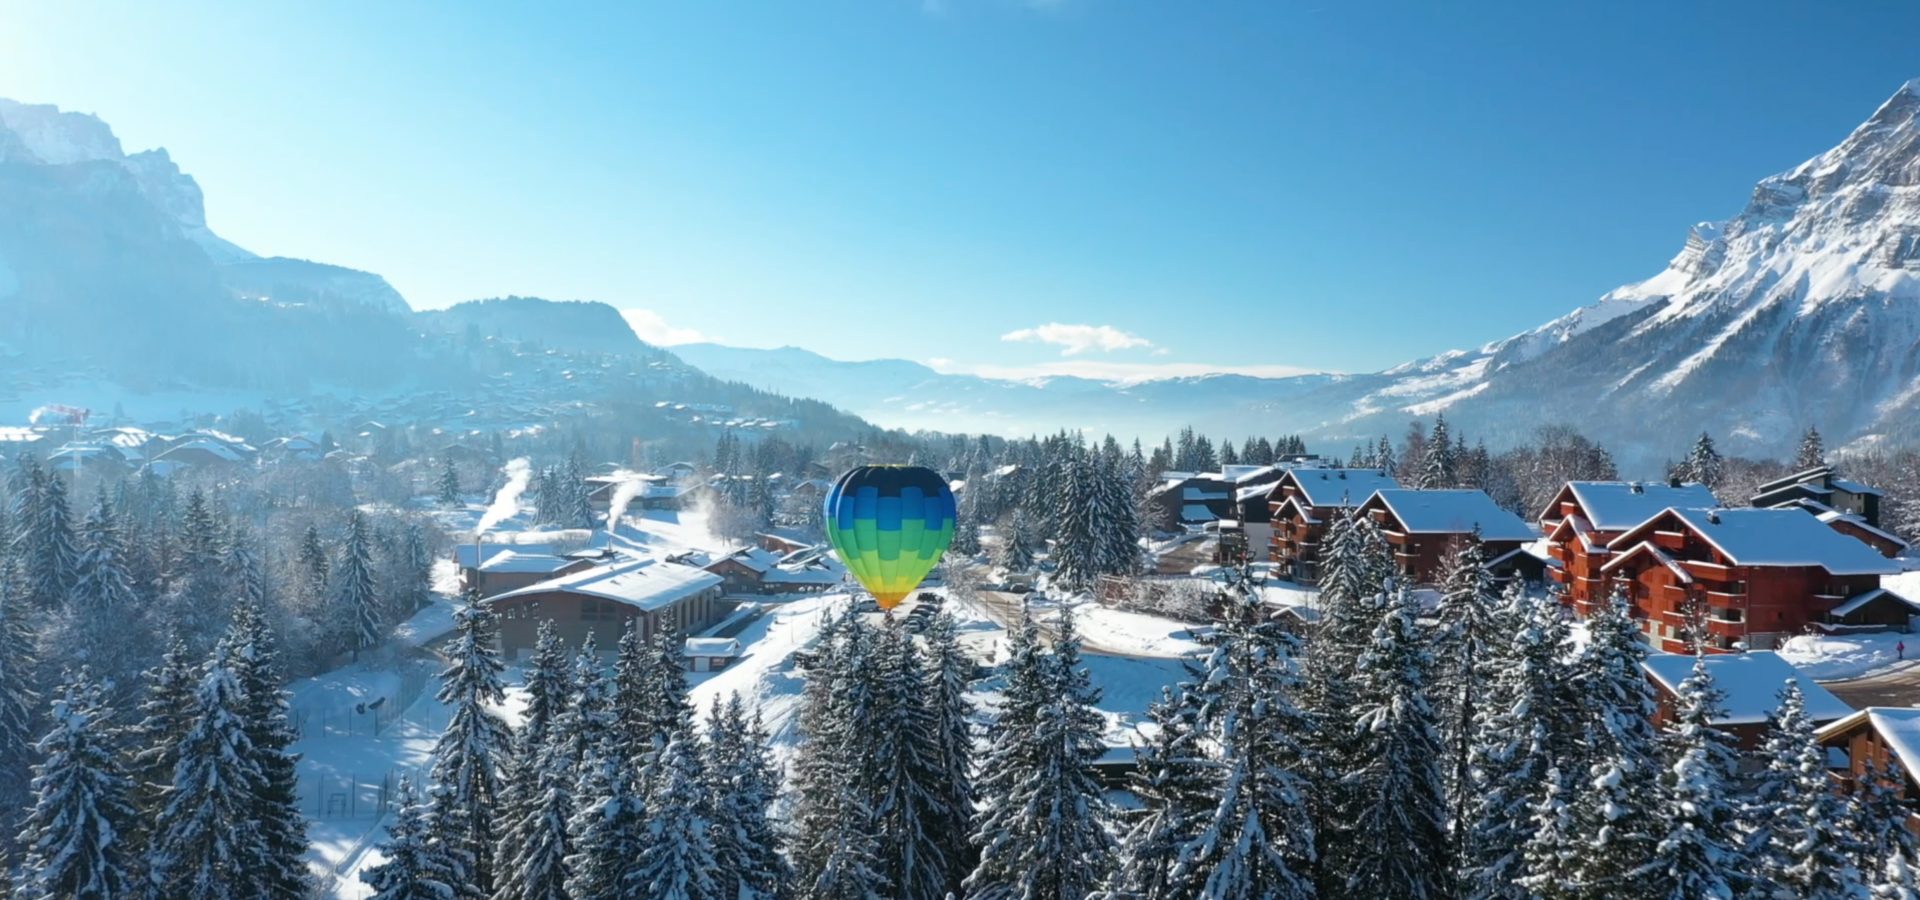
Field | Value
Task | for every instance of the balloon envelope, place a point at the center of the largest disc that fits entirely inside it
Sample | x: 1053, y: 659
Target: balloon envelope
x: 890, y: 524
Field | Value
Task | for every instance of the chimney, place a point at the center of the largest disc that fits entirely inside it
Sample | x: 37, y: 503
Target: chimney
x: 1673, y: 481
x: 1713, y: 517
x: 1637, y: 487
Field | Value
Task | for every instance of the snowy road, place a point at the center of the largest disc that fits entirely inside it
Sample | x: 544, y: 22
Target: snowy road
x: 1899, y: 686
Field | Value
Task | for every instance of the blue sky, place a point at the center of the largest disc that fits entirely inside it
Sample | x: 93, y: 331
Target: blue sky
x: 1075, y: 185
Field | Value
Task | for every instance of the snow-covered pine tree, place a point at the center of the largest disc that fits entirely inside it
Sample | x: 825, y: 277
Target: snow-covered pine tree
x: 74, y: 834
x: 609, y: 824
x: 1897, y: 880
x: 547, y: 685
x: 657, y: 706
x: 275, y: 808
x: 820, y: 771
x: 412, y: 868
x: 46, y: 545
x: 1015, y: 553
x: 1793, y: 825
x: 1399, y: 793
x: 243, y: 573
x: 1355, y: 570
x: 17, y: 697
x: 742, y: 784
x: 1472, y: 643
x: 1699, y: 853
x: 1878, y: 814
x: 466, y: 760
x: 316, y: 566
x: 1617, y: 805
x: 579, y: 506
x: 449, y: 482
x: 1042, y: 830
x: 676, y: 860
x: 1552, y: 867
x: 902, y: 761
x: 357, y: 601
x: 1439, y: 469
x: 1813, y: 451
x: 1383, y: 456
x: 589, y: 717
x: 535, y: 845
x: 1703, y: 463
x: 849, y: 867
x: 207, y: 842
x: 1176, y: 782
x: 166, y: 713
x: 966, y: 537
x: 1258, y: 841
x: 1079, y: 547
x: 1523, y: 726
x: 1120, y: 525
x: 948, y: 672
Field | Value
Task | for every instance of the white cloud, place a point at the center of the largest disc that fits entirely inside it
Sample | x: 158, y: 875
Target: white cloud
x: 1124, y: 372
x: 1077, y: 339
x: 654, y: 330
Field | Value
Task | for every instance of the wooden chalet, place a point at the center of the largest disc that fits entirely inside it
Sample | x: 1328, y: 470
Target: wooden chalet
x: 650, y: 593
x: 1246, y: 533
x: 1585, y: 515
x: 1302, y: 502
x: 757, y: 570
x: 1184, y: 501
x: 1865, y: 744
x: 1751, y: 683
x: 1756, y: 576
x: 1854, y: 526
x: 1824, y: 486
x: 495, y: 567
x: 1423, y: 526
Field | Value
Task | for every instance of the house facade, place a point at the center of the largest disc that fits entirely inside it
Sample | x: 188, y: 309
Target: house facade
x: 1423, y: 527
x: 1748, y: 577
x: 1870, y: 742
x: 1822, y: 485
x: 1302, y: 503
x: 1585, y: 515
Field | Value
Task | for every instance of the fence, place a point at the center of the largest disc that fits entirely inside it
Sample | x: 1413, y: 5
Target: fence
x: 369, y: 796
x: 367, y: 718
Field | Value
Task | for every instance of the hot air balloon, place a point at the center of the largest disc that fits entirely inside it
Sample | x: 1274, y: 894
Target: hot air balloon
x: 890, y: 524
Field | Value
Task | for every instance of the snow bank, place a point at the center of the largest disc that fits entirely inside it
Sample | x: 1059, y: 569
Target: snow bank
x: 1841, y: 656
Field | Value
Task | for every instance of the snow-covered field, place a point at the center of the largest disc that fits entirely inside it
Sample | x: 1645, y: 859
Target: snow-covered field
x: 1836, y: 657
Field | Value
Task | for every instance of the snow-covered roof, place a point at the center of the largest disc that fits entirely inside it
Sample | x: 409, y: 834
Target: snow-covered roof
x: 208, y: 445
x: 1244, y: 474
x: 1340, y: 487
x: 1853, y: 604
x: 1660, y: 556
x: 1197, y: 512
x: 645, y: 584
x: 710, y: 646
x: 1620, y: 505
x: 1193, y: 494
x: 571, y: 543
x: 1854, y: 487
x: 1780, y: 537
x: 1242, y: 495
x: 517, y: 563
x: 1802, y: 476
x: 1898, y: 726
x: 1752, y: 683
x: 1454, y: 512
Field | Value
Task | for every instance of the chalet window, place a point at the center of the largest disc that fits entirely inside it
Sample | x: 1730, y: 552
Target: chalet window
x: 595, y: 610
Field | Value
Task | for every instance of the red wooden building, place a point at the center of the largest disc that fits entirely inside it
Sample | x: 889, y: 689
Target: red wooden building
x: 1302, y: 504
x: 1423, y: 526
x: 1756, y: 576
x: 1751, y: 684
x: 1585, y: 515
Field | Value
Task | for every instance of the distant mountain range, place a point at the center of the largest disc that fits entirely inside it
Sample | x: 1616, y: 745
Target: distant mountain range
x: 1803, y: 308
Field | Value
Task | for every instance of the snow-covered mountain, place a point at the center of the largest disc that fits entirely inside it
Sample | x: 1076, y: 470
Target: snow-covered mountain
x: 1803, y: 308
x: 47, y: 136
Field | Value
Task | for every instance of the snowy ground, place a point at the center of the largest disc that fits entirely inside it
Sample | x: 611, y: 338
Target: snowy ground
x: 1836, y: 657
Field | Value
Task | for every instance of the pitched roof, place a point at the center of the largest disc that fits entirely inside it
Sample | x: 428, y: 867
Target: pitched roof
x: 1899, y: 726
x: 1805, y: 475
x: 1620, y: 505
x: 1854, y: 604
x: 1339, y: 487
x: 644, y: 584
x: 1454, y: 512
x: 1777, y: 537
x: 1752, y: 683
